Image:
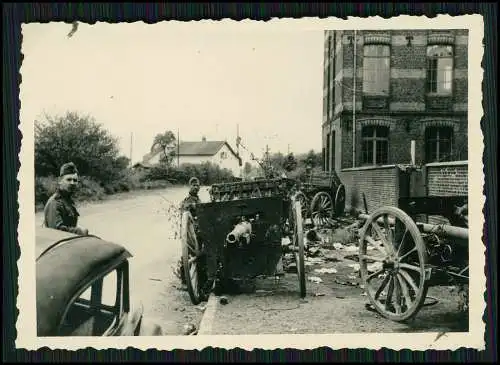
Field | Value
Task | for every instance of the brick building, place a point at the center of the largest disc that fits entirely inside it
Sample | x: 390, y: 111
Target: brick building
x: 409, y: 85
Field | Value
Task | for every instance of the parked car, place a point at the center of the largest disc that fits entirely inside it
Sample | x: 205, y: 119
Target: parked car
x: 82, y: 288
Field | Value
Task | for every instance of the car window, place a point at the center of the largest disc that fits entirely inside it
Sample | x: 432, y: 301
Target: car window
x: 96, y: 309
x: 109, y: 288
x: 86, y: 294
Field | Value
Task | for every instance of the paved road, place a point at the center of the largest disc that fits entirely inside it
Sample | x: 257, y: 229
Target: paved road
x: 146, y: 223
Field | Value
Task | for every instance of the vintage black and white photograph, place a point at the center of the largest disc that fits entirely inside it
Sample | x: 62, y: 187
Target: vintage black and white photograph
x: 292, y: 183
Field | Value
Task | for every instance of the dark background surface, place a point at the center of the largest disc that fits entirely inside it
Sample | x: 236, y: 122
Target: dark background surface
x: 15, y: 14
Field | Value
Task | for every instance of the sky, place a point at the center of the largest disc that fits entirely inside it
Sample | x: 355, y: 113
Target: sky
x: 138, y: 80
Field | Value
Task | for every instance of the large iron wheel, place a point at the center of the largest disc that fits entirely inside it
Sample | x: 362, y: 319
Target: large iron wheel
x: 298, y: 244
x: 397, y: 282
x: 340, y: 200
x: 322, y: 209
x: 192, y: 263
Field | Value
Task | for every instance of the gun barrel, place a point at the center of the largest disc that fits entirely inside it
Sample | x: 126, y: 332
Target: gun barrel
x: 240, y: 230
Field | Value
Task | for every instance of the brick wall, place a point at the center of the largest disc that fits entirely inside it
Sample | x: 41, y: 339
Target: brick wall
x: 447, y: 178
x: 379, y: 184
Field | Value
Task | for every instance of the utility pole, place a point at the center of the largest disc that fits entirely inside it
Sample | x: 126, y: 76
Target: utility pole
x: 178, y: 144
x: 238, y: 140
x: 131, y: 144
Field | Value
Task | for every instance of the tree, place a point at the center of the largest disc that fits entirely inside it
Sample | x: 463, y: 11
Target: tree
x: 163, y: 142
x: 79, y: 139
x: 247, y: 169
x: 290, y: 162
x: 313, y: 159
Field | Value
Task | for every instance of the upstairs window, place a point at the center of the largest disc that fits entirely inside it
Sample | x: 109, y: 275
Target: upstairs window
x: 439, y: 69
x: 223, y: 155
x: 376, y: 69
x: 438, y: 144
x: 375, y: 145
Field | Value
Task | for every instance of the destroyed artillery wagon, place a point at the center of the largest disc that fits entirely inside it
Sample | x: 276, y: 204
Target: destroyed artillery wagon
x: 322, y: 196
x: 407, y: 256
x: 237, y: 236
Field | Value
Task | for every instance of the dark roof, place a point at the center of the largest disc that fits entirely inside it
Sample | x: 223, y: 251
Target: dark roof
x: 203, y: 148
x: 65, y: 263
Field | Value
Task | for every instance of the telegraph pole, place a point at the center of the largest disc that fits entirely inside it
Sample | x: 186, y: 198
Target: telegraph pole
x: 178, y: 144
x: 131, y: 144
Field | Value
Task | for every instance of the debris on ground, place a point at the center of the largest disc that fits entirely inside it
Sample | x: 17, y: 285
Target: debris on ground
x: 309, y: 261
x: 377, y: 266
x: 188, y: 329
x: 201, y: 307
x: 352, y: 257
x: 223, y: 300
x: 325, y: 270
x: 351, y: 248
x: 315, y: 279
x: 314, y: 251
x: 262, y: 291
x: 319, y: 294
x: 312, y: 236
x: 338, y: 246
x: 291, y: 268
x: 355, y: 267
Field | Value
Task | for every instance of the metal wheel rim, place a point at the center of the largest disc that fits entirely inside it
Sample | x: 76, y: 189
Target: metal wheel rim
x: 396, y: 250
x: 322, y: 209
x: 190, y: 258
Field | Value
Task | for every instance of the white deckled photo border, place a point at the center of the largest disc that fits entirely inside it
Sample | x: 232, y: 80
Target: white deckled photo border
x: 26, y: 322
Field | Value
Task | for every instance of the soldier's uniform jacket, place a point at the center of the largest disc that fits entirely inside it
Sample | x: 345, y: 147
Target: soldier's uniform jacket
x: 189, y: 201
x: 60, y: 213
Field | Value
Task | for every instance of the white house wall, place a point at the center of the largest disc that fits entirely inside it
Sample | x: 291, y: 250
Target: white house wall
x: 230, y: 162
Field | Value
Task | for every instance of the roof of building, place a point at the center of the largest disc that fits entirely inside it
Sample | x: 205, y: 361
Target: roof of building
x: 65, y: 263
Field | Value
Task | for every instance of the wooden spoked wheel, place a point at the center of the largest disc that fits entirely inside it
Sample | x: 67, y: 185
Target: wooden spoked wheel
x: 392, y: 260
x: 340, y: 200
x: 322, y: 209
x: 192, y: 265
x: 298, y: 244
x: 302, y: 198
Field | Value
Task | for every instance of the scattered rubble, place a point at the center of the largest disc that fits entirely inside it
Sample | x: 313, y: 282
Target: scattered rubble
x: 315, y: 279
x: 189, y: 329
x: 223, y: 300
x: 325, y: 270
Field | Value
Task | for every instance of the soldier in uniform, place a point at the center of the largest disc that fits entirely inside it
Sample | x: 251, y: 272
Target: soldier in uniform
x: 188, y: 203
x: 60, y: 211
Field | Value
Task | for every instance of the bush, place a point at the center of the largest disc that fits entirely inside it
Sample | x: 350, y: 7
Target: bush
x: 206, y: 172
x: 45, y: 186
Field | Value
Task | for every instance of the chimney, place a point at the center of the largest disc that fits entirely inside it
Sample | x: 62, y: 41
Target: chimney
x: 203, y: 139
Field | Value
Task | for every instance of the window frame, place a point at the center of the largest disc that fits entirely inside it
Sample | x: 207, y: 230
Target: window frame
x: 122, y: 300
x: 387, y: 57
x: 438, y: 143
x: 374, y: 140
x: 432, y: 72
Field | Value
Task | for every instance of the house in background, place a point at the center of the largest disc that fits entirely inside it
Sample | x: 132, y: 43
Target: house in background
x: 195, y: 152
x: 384, y: 89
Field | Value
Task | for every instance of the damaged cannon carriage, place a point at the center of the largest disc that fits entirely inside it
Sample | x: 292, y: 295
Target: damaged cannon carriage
x: 237, y: 236
x: 413, y: 255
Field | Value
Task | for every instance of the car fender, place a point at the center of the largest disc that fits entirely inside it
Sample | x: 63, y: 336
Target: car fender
x: 130, y: 322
